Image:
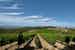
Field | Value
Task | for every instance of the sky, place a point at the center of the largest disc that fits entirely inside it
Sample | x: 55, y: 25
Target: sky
x: 37, y: 13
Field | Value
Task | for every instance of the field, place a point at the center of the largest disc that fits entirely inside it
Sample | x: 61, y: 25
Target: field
x: 50, y: 35
x: 11, y: 37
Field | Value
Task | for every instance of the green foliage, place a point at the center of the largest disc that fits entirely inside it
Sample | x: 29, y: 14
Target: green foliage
x: 51, y: 36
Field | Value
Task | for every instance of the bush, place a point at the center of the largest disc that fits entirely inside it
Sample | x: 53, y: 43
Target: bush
x: 67, y: 39
x: 73, y: 39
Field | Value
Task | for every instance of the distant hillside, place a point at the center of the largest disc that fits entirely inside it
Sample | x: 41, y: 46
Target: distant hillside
x: 23, y: 29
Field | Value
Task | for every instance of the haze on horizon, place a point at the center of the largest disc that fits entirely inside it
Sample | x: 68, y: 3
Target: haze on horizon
x: 20, y: 13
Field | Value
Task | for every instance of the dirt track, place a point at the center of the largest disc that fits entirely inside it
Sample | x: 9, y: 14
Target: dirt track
x: 30, y: 44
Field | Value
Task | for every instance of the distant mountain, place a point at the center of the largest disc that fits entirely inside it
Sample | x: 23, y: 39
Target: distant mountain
x: 9, y: 27
x: 16, y: 27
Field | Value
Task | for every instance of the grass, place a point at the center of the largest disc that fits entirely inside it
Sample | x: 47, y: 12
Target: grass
x: 11, y: 37
x: 50, y: 35
x: 7, y: 38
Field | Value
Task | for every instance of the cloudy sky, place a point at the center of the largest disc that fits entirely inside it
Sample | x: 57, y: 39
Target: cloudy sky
x: 37, y: 13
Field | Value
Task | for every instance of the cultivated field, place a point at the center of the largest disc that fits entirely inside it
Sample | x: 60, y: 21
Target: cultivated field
x: 50, y: 35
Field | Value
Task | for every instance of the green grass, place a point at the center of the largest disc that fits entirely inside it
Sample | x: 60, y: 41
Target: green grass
x: 49, y: 35
x: 11, y: 37
x: 53, y: 35
x: 8, y: 38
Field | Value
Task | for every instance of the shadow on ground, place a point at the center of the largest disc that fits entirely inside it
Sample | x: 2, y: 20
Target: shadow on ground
x: 26, y: 48
x: 72, y: 47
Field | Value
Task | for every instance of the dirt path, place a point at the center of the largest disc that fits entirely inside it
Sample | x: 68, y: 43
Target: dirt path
x: 45, y: 44
x: 37, y: 43
x: 32, y: 44
x: 8, y: 46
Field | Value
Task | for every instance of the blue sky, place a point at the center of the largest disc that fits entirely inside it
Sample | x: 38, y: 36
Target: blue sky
x: 37, y: 13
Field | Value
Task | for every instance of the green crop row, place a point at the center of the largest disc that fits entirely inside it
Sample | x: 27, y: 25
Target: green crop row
x: 11, y: 37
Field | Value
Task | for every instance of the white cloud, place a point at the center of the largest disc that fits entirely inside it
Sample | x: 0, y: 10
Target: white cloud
x: 25, y: 21
x: 14, y: 6
x: 5, y: 0
x: 12, y: 13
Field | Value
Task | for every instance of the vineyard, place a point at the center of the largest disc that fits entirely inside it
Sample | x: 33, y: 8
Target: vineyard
x: 44, y: 39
